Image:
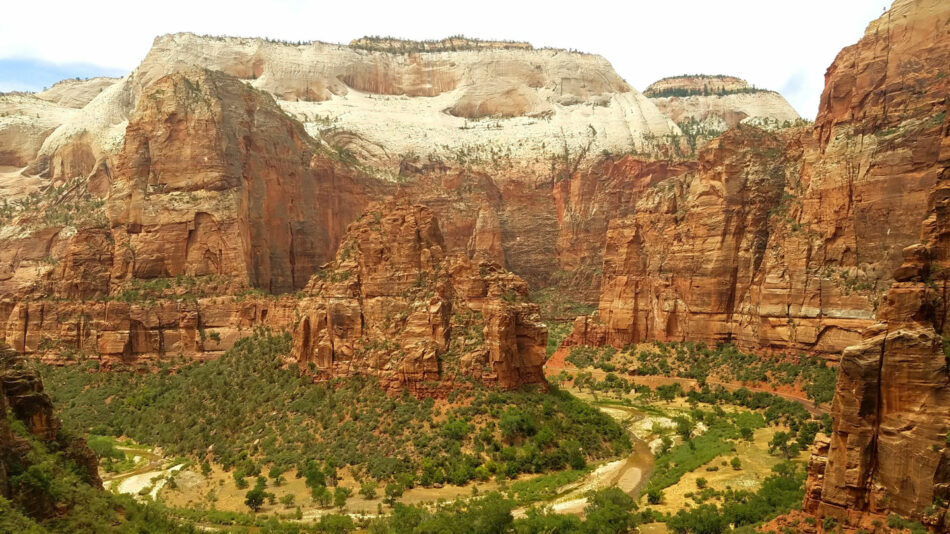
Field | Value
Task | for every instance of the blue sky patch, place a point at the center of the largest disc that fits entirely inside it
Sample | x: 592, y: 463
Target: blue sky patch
x: 33, y: 74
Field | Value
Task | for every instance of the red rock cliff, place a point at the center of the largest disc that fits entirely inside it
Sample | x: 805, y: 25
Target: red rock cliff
x: 395, y: 305
x: 785, y: 241
x: 215, y: 192
x: 216, y: 179
x: 889, y: 449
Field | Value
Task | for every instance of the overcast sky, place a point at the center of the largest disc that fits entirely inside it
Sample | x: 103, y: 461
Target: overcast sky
x: 783, y: 45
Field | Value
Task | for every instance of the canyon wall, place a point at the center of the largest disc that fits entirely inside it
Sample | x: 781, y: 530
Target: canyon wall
x: 214, y: 179
x: 216, y: 192
x: 787, y: 241
x: 889, y: 449
x: 396, y: 306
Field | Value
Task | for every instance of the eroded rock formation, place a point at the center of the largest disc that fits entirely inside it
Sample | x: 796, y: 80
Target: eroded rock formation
x: 393, y: 304
x: 253, y: 200
x: 889, y: 449
x: 711, y: 104
x: 215, y: 192
x: 788, y: 241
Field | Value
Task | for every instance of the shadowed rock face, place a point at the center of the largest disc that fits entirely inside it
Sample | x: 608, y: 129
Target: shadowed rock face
x: 788, y: 241
x: 889, y: 449
x: 396, y: 306
x: 22, y: 399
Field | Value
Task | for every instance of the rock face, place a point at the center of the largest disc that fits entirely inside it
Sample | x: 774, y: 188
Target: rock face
x: 889, y: 452
x: 787, y: 241
x: 681, y: 265
x: 76, y: 93
x: 215, y: 180
x: 394, y: 305
x: 398, y: 103
x: 589, y: 200
x: 215, y: 191
x: 497, y: 124
x: 177, y: 190
x: 22, y: 400
x: 25, y: 122
x: 705, y: 106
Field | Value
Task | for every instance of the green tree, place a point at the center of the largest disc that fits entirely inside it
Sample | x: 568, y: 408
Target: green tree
x: 684, y: 427
x: 609, y: 511
x: 340, y: 495
x: 321, y: 495
x: 781, y: 442
x: 705, y: 519
x: 393, y: 492
x: 368, y: 490
x: 254, y: 499
x: 747, y: 433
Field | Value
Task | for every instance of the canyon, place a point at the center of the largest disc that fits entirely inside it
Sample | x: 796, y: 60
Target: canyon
x: 397, y: 207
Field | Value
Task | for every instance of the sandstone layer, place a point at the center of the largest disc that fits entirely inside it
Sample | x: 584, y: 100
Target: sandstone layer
x: 705, y: 106
x: 253, y: 200
x: 486, y: 97
x: 788, y: 240
x: 25, y: 123
x: 215, y: 192
x: 76, y: 93
x: 889, y: 449
x: 393, y: 304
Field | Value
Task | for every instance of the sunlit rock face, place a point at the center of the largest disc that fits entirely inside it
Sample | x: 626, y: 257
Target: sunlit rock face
x: 213, y: 182
x: 788, y: 240
x: 888, y: 452
x: 394, y: 305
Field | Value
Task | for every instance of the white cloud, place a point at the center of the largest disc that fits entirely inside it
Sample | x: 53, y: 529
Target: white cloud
x: 779, y: 45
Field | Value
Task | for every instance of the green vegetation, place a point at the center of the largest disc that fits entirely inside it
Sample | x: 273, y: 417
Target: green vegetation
x: 69, y: 204
x: 49, y: 492
x: 543, y: 487
x: 724, y: 363
x: 556, y: 304
x: 556, y: 334
x: 138, y: 290
x: 608, y: 511
x: 454, y: 43
x: 780, y: 492
x: 705, y: 91
x: 896, y: 521
x: 708, y: 427
x: 253, y: 412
